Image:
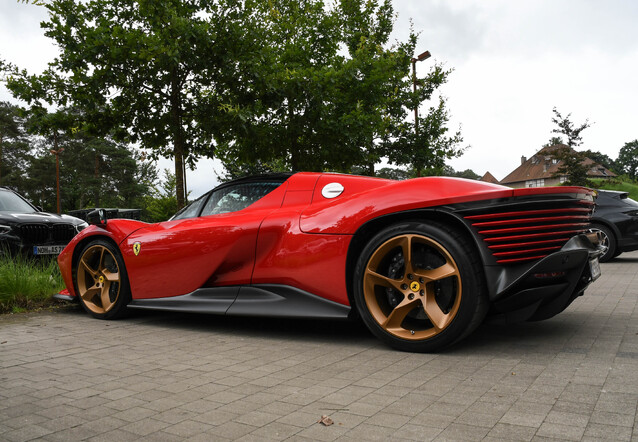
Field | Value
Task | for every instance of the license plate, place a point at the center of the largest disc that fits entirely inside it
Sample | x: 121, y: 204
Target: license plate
x: 47, y: 250
x: 594, y: 268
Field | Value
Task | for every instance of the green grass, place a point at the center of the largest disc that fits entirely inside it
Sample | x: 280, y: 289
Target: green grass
x: 617, y: 184
x: 27, y: 284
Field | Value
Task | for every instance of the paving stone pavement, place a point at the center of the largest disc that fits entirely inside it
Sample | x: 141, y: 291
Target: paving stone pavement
x: 155, y: 376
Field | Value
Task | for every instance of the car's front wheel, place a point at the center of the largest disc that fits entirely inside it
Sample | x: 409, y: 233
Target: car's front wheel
x: 419, y: 287
x: 101, y: 281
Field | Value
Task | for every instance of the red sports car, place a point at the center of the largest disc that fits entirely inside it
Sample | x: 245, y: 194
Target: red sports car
x: 421, y: 261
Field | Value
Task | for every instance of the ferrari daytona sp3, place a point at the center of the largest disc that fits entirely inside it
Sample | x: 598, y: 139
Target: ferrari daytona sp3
x: 422, y: 262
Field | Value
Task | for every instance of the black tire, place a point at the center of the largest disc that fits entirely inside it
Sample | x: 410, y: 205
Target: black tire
x: 434, y: 301
x: 101, y: 282
x: 608, y: 241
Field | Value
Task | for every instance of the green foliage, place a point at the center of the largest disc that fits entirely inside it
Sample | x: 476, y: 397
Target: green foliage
x: 137, y: 69
x: 94, y: 171
x: 305, y: 101
x: 553, y: 141
x: 431, y: 146
x: 393, y: 173
x: 276, y: 84
x: 27, y: 283
x: 567, y: 127
x: 233, y: 170
x: 572, y: 161
x: 572, y: 166
x: 468, y: 174
x: 623, y: 184
x: 602, y: 159
x: 627, y: 161
x: 161, y: 204
x: 14, y: 149
x: 445, y: 170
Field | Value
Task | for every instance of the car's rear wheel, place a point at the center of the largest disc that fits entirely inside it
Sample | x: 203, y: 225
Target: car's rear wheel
x: 101, y: 281
x: 607, y: 242
x: 419, y: 287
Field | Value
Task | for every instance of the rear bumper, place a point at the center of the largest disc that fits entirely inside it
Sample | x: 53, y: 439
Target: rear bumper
x: 550, y: 285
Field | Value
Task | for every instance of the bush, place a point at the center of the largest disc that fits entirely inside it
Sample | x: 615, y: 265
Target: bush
x: 27, y: 284
x: 622, y: 184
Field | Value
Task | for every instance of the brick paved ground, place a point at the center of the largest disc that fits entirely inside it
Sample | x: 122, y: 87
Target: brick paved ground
x: 64, y: 376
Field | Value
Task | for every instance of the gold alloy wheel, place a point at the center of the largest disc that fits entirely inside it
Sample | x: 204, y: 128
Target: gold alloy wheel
x: 429, y: 274
x: 98, y: 279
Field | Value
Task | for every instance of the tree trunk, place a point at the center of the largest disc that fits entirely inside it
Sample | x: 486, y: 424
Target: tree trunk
x: 178, y: 139
x: 294, y: 144
x: 97, y: 183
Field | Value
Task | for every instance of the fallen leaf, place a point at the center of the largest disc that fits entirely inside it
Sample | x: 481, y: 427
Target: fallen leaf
x: 325, y: 420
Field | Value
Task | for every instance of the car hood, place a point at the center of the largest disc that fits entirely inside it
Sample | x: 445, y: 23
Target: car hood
x: 37, y: 217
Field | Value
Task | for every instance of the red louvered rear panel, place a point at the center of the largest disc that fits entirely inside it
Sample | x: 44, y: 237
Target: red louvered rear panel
x: 515, y: 235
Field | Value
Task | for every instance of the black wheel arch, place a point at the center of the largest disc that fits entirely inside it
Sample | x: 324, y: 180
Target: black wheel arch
x: 368, y: 230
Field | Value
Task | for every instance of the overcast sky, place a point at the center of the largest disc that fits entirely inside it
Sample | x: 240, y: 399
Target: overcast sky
x: 513, y: 62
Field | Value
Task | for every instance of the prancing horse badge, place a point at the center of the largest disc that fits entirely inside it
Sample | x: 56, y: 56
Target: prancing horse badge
x: 136, y: 248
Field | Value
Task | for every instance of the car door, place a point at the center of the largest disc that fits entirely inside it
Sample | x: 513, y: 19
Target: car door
x: 210, y: 245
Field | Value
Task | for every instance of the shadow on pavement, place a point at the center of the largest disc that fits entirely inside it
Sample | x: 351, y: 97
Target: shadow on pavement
x: 487, y: 338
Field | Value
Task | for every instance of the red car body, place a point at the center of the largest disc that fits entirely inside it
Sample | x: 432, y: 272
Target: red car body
x: 293, y: 252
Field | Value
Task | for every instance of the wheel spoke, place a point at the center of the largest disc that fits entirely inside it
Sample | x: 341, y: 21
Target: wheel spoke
x: 374, y: 279
x: 406, y: 248
x: 398, y: 314
x: 86, y: 267
x: 104, y: 296
x: 445, y: 271
x: 433, y: 311
x: 100, y: 265
x: 111, y: 276
x: 89, y: 293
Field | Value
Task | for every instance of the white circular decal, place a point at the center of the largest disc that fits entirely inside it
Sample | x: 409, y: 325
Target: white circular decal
x: 332, y: 190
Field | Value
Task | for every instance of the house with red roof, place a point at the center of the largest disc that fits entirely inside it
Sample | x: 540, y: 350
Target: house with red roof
x: 542, y: 170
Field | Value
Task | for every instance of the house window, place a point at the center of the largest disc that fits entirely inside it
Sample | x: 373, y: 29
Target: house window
x: 563, y: 179
x: 535, y: 183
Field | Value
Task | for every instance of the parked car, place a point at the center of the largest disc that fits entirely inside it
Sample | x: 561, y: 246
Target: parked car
x: 26, y: 230
x: 421, y: 261
x: 616, y: 218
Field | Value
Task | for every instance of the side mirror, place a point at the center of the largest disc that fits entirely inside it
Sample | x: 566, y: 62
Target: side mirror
x: 96, y: 217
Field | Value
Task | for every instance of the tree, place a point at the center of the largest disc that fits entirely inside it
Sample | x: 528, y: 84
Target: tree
x: 161, y: 204
x: 431, y: 146
x: 14, y: 147
x: 572, y: 162
x: 566, y: 127
x: 571, y: 165
x: 137, y: 69
x: 314, y: 106
x: 553, y: 141
x: 602, y: 159
x: 628, y: 159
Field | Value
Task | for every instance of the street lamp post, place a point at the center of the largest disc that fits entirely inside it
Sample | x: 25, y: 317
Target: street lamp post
x: 421, y: 57
x: 57, y: 174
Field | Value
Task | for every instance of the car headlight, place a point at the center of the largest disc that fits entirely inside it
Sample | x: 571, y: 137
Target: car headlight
x: 4, y: 229
x: 80, y: 227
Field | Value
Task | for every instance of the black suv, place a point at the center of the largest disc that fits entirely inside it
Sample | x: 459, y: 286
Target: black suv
x: 616, y: 217
x: 28, y: 231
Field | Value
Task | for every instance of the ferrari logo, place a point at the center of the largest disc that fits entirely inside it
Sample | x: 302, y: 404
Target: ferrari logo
x: 136, y: 248
x: 415, y: 286
x: 101, y: 279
